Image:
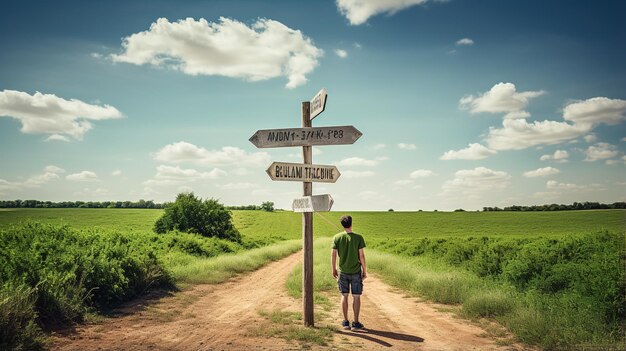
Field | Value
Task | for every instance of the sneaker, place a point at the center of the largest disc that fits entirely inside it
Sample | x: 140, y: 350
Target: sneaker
x: 346, y: 325
x: 357, y: 326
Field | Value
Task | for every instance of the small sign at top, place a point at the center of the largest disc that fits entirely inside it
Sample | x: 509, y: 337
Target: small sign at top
x: 318, y: 103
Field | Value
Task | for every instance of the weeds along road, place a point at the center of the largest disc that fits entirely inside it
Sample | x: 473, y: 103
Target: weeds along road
x: 226, y: 317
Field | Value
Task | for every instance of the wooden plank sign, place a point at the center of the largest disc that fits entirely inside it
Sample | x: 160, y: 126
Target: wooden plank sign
x: 315, y: 203
x: 298, y: 172
x: 311, y: 136
x: 318, y: 103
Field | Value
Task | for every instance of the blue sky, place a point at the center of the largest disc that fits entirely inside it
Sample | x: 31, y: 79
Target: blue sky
x: 462, y: 104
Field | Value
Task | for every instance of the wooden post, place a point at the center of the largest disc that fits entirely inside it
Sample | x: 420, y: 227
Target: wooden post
x: 307, y: 231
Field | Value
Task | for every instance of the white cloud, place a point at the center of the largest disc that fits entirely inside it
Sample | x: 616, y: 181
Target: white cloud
x: 357, y: 174
x: 5, y: 185
x: 615, y: 162
x: 267, y: 49
x: 559, y: 156
x: 357, y: 45
x: 590, y: 138
x: 50, y: 173
x: 623, y: 139
x: 464, y: 41
x: 501, y: 98
x: 518, y: 134
x: 621, y: 160
x: 600, y: 151
x: 49, y: 114
x: 358, y: 161
x: 359, y: 11
x: 53, y: 169
x: 472, y: 182
x: 595, y: 111
x: 542, y: 172
x: 421, y: 173
x: 57, y: 137
x: 341, y: 53
x: 404, y: 146
x: 557, y: 186
x: 84, y: 176
x: 185, y: 152
x: 382, y: 146
x: 473, y: 151
x: 116, y: 173
x: 168, y: 175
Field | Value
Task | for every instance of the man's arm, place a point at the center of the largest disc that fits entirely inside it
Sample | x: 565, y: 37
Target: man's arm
x: 363, y: 266
x: 333, y: 262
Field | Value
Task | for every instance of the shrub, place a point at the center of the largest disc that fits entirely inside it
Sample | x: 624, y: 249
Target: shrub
x: 56, y: 274
x: 193, y: 215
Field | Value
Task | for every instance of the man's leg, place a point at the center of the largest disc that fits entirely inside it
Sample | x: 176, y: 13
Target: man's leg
x: 356, y: 306
x: 344, y: 306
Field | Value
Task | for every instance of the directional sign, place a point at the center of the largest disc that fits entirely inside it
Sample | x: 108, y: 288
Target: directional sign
x: 341, y: 135
x: 318, y: 103
x: 299, y: 172
x: 315, y: 203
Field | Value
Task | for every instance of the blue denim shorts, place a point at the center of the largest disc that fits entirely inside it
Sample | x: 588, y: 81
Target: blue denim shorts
x: 350, y: 283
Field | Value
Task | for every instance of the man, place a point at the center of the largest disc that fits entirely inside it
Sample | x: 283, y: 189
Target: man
x: 349, y: 246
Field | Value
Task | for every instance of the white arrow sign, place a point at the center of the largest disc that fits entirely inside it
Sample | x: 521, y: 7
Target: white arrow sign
x: 318, y: 103
x: 315, y: 203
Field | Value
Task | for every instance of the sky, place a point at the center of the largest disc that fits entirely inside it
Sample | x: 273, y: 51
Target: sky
x: 462, y: 103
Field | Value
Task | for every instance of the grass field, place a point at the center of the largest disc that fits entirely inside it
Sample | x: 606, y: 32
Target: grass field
x: 282, y: 225
x: 556, y: 279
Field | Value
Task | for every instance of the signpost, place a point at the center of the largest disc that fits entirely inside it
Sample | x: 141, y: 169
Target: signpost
x: 315, y: 203
x: 299, y: 172
x: 318, y: 103
x: 341, y: 135
x: 307, y: 173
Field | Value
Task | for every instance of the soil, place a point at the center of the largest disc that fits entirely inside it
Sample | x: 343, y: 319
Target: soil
x: 226, y: 317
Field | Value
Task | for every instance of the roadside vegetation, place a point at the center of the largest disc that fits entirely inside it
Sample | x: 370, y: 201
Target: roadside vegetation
x: 54, y: 274
x: 554, y: 279
x: 558, y: 294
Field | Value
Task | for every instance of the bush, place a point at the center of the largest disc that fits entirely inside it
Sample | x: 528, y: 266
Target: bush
x: 54, y: 274
x: 193, y: 215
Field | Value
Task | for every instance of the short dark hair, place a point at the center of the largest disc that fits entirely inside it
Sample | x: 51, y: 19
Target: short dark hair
x: 346, y: 221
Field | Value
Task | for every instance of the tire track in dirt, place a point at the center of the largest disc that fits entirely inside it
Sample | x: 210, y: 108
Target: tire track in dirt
x: 222, y: 316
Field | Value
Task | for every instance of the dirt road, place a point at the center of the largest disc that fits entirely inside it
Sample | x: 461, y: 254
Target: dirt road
x: 221, y: 317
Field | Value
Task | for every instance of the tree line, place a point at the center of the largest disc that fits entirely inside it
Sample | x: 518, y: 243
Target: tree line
x: 79, y: 204
x: 265, y: 206
x: 560, y: 207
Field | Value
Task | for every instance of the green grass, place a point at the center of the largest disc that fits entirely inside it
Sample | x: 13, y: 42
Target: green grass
x: 563, y: 320
x: 287, y: 325
x: 194, y: 270
x: 83, y: 218
x: 553, y: 278
x: 377, y: 226
x: 322, y: 278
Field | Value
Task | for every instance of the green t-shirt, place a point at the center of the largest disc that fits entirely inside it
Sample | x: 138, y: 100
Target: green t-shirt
x: 347, y: 246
